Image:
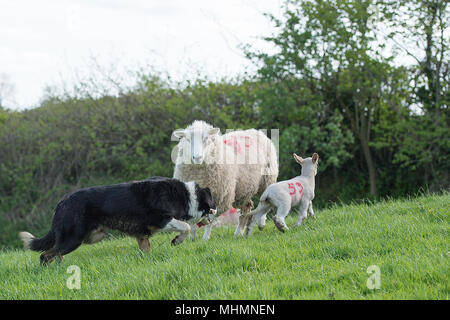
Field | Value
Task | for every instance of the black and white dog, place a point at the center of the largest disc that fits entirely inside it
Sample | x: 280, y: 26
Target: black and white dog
x: 139, y: 208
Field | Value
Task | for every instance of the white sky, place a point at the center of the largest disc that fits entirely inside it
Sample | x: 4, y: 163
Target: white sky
x: 44, y: 42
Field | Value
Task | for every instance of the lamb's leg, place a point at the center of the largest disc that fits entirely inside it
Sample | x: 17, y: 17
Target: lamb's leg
x: 262, y: 221
x: 194, y: 229
x: 259, y: 213
x: 178, y: 226
x: 207, y: 233
x: 302, y: 211
x: 310, y: 210
x: 278, y: 219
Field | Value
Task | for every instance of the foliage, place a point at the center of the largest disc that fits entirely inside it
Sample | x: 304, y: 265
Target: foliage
x: 331, y: 87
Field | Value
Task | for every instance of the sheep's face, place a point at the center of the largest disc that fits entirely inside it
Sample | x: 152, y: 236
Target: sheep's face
x: 194, y: 142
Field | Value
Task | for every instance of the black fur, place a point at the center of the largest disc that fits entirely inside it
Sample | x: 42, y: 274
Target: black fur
x: 137, y: 208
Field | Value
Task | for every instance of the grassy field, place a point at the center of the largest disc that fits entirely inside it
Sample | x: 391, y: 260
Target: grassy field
x: 326, y: 258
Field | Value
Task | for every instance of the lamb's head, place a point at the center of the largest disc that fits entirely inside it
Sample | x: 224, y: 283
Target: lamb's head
x: 194, y: 140
x: 309, y: 165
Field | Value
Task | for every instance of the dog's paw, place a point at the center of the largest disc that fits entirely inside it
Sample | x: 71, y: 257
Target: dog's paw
x: 176, y: 241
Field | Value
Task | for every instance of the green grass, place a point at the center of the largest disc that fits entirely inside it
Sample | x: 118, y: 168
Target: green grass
x: 326, y: 258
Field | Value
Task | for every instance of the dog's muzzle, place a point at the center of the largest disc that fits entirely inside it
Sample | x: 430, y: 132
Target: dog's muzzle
x: 208, y: 218
x: 211, y: 215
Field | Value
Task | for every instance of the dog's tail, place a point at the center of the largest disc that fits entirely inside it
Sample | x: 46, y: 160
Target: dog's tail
x: 42, y: 244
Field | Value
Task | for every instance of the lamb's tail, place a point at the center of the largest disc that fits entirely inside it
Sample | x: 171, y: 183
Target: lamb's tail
x: 42, y: 244
x: 262, y: 205
x: 264, y: 196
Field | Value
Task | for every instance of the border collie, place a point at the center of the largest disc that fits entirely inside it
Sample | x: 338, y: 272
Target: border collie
x: 138, y: 208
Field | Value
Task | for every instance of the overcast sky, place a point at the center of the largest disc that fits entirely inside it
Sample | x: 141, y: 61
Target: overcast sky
x: 42, y: 42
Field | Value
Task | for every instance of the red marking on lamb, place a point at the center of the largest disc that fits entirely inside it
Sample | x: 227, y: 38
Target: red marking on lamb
x: 293, y: 190
x: 226, y: 214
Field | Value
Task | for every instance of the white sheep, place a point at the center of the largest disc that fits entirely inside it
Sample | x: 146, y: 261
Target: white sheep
x: 284, y: 195
x: 234, y: 166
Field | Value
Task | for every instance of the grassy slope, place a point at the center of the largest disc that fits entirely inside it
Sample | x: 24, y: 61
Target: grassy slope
x: 325, y: 258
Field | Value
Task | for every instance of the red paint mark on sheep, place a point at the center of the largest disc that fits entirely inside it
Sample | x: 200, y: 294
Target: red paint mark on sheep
x: 233, y: 141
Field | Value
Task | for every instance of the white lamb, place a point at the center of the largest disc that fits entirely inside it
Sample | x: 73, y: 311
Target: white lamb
x: 284, y: 195
x: 234, y: 166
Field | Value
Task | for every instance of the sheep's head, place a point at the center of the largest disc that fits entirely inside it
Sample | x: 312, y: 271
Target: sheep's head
x: 309, y: 165
x: 194, y: 140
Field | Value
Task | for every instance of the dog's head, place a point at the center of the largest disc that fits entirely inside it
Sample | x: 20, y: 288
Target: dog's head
x: 206, y: 204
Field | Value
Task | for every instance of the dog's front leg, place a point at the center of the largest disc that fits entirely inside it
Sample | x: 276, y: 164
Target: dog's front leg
x: 143, y: 243
x: 175, y: 225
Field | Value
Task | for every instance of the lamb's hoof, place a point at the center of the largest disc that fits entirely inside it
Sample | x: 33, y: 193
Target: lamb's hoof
x: 261, y: 228
x: 280, y: 226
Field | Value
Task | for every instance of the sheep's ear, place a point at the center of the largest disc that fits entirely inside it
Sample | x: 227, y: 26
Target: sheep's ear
x: 213, y: 131
x: 179, y: 134
x: 298, y: 159
x: 315, y: 158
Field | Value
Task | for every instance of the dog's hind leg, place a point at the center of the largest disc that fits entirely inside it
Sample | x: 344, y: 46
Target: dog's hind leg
x: 143, y: 243
x: 178, y: 226
x: 48, y: 256
x: 68, y: 246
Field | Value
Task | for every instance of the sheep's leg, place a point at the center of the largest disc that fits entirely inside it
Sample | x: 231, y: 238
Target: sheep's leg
x: 310, y: 210
x: 244, y: 218
x: 279, y: 218
x: 302, y: 211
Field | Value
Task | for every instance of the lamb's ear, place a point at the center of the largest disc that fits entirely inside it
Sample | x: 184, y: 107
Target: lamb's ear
x: 298, y: 159
x: 315, y: 158
x: 179, y: 133
x: 213, y: 131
